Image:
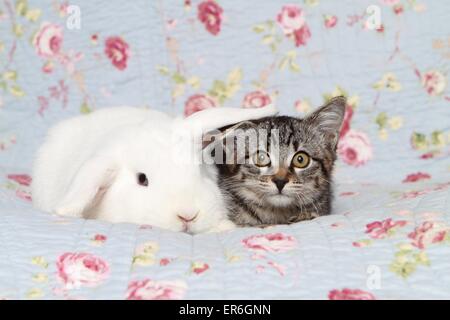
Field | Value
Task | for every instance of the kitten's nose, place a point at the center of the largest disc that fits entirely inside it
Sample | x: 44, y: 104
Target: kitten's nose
x: 280, y: 182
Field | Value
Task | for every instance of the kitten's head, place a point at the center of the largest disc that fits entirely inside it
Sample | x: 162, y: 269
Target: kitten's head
x: 283, y: 161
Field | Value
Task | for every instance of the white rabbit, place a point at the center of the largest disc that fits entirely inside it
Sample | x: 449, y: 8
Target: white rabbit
x: 135, y: 165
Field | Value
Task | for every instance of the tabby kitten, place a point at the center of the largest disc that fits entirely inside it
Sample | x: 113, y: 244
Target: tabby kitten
x: 286, y: 176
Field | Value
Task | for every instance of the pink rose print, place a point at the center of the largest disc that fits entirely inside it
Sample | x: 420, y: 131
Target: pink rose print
x: 414, y: 177
x: 337, y: 224
x: 350, y: 294
x: 278, y: 267
x: 330, y: 21
x: 354, y: 148
x: 165, y: 261
x: 257, y: 256
x: 24, y: 195
x: 171, y: 24
x: 427, y: 155
x: 441, y: 186
x: 302, y: 35
x: 292, y: 22
x: 256, y: 99
x: 48, y: 67
x: 346, y: 122
x: 63, y: 8
x: 290, y: 19
x: 94, y: 38
x: 272, y: 242
x: 382, y: 229
x: 48, y: 40
x: 428, y: 233
x: 156, y: 290
x: 398, y: 9
x: 198, y: 102
x: 81, y: 269
x: 434, y: 82
x: 260, y: 269
x: 100, y: 237
x: 380, y: 29
x: 199, y: 267
x: 362, y: 243
x: 414, y: 194
x: 117, y: 50
x: 210, y: 14
x: 69, y: 60
x: 417, y: 193
x: 22, y: 179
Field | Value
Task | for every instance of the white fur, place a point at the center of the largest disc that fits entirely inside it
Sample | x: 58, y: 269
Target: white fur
x: 87, y: 167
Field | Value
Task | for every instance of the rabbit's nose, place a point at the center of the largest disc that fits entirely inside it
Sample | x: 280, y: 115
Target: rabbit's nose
x: 187, y: 218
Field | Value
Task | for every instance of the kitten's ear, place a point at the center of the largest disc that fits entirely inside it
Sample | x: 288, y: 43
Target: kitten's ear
x: 328, y: 119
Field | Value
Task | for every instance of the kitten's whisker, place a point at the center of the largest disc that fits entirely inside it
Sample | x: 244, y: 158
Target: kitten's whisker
x: 326, y: 180
x: 309, y: 201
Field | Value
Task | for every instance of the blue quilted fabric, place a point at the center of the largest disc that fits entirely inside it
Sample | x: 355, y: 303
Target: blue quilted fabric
x: 389, y: 234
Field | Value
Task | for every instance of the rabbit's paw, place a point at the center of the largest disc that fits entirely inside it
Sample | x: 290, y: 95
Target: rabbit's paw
x: 224, y: 225
x: 69, y: 210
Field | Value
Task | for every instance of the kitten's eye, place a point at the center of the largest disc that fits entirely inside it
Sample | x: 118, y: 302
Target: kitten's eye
x: 142, y: 179
x: 301, y: 160
x: 261, y: 159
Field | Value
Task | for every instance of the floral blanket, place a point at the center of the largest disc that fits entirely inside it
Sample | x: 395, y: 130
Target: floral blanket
x: 389, y: 234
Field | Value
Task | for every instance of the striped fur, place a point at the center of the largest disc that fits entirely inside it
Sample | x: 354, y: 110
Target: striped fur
x: 253, y: 198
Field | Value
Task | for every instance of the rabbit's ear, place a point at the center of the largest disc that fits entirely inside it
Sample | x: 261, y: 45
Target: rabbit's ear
x: 220, y: 134
x: 214, y: 143
x: 87, y: 187
x: 214, y: 118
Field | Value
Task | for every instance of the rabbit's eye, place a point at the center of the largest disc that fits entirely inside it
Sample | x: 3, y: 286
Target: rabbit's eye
x: 142, y: 179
